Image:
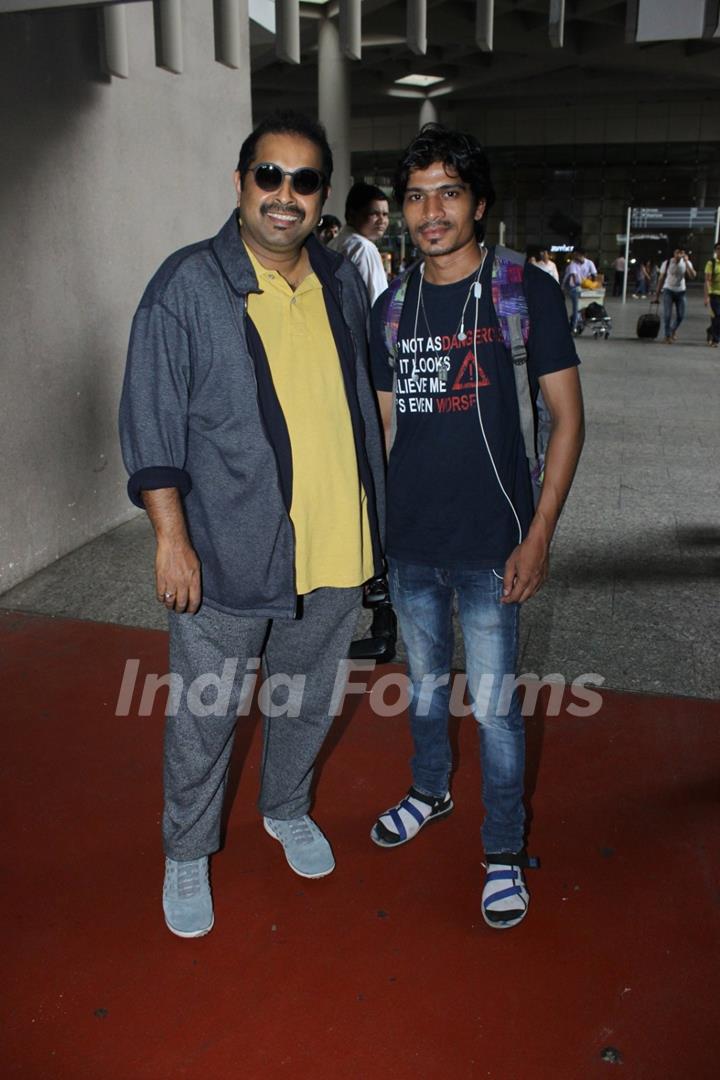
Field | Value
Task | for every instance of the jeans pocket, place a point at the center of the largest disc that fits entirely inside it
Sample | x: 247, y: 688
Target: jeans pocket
x: 496, y: 578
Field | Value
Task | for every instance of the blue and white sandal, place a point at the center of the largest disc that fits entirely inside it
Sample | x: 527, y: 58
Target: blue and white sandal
x: 402, y: 822
x: 505, y: 898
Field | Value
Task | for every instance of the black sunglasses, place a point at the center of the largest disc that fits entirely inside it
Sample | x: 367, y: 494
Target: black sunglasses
x: 303, y: 181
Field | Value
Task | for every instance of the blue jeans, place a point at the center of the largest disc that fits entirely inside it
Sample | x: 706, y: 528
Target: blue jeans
x: 670, y: 297
x: 574, y: 294
x: 423, y: 599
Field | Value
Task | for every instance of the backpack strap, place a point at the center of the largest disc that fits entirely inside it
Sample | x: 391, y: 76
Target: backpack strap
x: 392, y: 301
x: 512, y: 314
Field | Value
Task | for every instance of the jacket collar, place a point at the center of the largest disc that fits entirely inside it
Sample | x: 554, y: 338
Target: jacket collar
x: 229, y: 250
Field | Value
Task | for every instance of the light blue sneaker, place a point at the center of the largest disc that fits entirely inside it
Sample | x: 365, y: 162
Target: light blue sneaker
x: 187, y: 902
x: 306, y: 848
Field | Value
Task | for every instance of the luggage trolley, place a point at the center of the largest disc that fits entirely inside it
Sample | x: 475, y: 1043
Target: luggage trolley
x: 594, y: 313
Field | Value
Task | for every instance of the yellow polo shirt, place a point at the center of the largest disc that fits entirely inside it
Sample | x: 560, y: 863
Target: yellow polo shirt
x: 333, y: 548
x: 714, y: 283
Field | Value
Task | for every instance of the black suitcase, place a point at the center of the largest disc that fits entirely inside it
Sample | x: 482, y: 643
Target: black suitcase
x: 648, y: 326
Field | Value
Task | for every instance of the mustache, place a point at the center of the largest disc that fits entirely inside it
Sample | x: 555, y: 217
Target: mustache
x: 433, y: 224
x: 282, y: 208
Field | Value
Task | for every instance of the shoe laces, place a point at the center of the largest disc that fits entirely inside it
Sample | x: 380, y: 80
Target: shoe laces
x: 301, y: 830
x: 189, y: 879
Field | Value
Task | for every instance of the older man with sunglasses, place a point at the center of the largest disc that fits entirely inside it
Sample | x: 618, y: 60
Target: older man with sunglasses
x: 249, y: 431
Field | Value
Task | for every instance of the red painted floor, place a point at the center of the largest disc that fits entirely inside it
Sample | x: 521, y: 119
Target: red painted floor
x: 384, y: 970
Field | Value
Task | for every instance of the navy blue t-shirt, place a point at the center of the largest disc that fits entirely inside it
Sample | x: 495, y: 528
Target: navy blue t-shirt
x: 446, y: 505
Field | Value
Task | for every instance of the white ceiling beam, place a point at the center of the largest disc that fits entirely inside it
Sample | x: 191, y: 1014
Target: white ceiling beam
x: 351, y: 28
x: 484, y: 24
x: 115, y: 43
x: 167, y: 16
x: 287, y: 31
x: 229, y: 17
x: 417, y: 26
x: 556, y: 23
x: 7, y: 6
x: 711, y: 27
x: 631, y: 21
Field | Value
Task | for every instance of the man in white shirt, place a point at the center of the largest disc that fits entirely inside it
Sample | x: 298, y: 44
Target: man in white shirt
x: 618, y: 275
x: 545, y: 263
x: 367, y: 215
x: 577, y: 270
x: 673, y: 288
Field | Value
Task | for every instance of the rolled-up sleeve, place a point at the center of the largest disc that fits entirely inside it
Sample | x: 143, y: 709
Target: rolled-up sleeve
x: 154, y: 403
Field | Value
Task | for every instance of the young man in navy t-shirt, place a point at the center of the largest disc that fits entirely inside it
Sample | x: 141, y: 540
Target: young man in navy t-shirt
x: 461, y: 522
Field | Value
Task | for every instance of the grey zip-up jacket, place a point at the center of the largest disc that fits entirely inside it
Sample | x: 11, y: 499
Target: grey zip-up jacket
x: 199, y: 412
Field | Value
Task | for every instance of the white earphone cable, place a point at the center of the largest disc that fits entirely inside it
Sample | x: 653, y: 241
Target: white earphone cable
x: 417, y: 315
x: 482, y: 426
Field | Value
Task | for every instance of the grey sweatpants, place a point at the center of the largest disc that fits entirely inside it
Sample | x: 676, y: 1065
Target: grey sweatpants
x: 198, y: 748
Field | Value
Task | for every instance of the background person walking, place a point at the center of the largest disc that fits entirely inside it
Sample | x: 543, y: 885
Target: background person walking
x: 672, y: 287
x: 577, y: 270
x: 618, y: 275
x: 545, y: 263
x: 712, y: 296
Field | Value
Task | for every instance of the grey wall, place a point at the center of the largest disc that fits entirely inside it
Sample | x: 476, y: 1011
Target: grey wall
x: 100, y: 180
x: 690, y: 120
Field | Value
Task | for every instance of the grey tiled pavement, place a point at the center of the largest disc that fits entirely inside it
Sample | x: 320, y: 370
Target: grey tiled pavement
x: 635, y: 588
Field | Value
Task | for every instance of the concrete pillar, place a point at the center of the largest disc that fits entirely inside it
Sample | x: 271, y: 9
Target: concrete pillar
x: 334, y: 110
x: 428, y: 112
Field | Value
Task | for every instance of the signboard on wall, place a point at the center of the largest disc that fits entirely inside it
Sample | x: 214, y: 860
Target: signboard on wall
x: 666, y: 20
x: 674, y: 217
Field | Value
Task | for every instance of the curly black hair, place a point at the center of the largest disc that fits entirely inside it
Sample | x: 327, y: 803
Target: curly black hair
x: 457, y: 149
